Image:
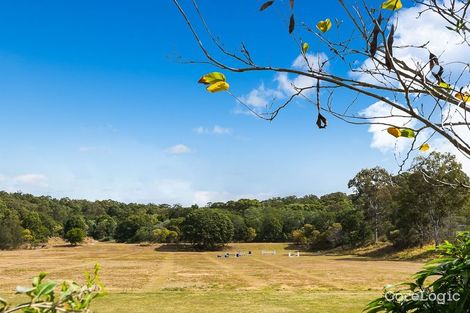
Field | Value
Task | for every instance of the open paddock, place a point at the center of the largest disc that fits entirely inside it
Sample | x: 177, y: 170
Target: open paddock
x: 145, y: 279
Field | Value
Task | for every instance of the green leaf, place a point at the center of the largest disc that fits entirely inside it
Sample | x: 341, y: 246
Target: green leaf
x: 407, y: 133
x: 305, y: 47
x: 212, y: 78
x: 45, y: 289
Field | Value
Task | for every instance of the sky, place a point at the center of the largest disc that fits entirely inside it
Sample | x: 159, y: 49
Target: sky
x: 97, y: 102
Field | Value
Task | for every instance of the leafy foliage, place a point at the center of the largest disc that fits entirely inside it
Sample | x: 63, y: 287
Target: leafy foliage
x: 442, y: 286
x: 75, y: 236
x: 208, y: 229
x: 48, y: 296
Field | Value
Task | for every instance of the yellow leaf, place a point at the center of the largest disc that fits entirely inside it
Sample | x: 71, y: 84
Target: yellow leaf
x: 212, y: 78
x: 324, y: 26
x: 465, y: 97
x: 424, y: 147
x: 392, y: 5
x: 395, y: 132
x: 305, y: 47
x: 445, y: 85
x: 218, y: 86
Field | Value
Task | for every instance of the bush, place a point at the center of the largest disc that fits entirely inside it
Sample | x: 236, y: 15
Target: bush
x: 447, y: 275
x: 75, y: 236
x: 208, y: 229
x: 43, y: 296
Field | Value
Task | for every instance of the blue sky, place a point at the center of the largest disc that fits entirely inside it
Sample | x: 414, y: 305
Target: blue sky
x: 94, y: 101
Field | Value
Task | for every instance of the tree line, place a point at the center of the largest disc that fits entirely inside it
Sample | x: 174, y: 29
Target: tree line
x: 428, y: 203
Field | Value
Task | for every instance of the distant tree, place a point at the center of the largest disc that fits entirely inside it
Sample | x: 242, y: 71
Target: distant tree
x: 250, y: 234
x: 75, y: 236
x: 33, y: 222
x: 254, y: 218
x: 75, y: 221
x: 239, y: 227
x: 10, y: 228
x: 355, y: 230
x: 299, y: 237
x: 208, y: 229
x: 126, y: 230
x: 161, y: 234
x: 328, y: 239
x: 373, y: 193
x: 428, y: 204
x: 104, y: 228
x: 271, y: 229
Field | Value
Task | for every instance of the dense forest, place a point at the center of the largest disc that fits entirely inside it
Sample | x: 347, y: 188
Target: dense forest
x: 428, y: 203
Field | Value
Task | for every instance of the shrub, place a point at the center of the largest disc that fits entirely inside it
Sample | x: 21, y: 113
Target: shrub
x: 43, y: 295
x: 75, y: 236
x: 447, y: 275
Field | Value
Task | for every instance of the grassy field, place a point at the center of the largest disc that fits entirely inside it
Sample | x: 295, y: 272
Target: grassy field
x: 146, y: 279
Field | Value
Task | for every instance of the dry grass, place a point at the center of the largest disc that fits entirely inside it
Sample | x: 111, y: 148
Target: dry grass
x: 155, y: 281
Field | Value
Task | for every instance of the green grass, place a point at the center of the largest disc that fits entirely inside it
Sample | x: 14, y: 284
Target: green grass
x: 235, y: 301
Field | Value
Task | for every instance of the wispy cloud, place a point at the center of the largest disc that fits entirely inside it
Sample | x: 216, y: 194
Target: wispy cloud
x: 179, y: 149
x: 85, y: 149
x: 39, y: 180
x: 216, y: 130
x: 285, y: 85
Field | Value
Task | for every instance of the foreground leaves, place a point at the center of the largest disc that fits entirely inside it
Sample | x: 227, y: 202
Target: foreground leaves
x: 305, y: 47
x: 424, y: 147
x: 395, y: 132
x: 401, y: 132
x: 324, y: 26
x: 291, y: 24
x: 218, y: 86
x: 216, y: 81
x: 448, y: 274
x: 392, y: 5
x: 212, y: 78
x: 266, y: 5
x: 43, y: 296
x: 465, y: 97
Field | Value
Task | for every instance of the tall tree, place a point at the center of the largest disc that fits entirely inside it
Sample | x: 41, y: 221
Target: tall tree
x: 430, y: 190
x: 373, y: 191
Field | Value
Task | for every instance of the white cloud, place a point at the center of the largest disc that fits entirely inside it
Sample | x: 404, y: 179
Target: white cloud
x: 454, y: 115
x: 216, y: 130
x: 381, y: 139
x: 447, y: 45
x: 31, y: 179
x: 384, y: 142
x: 179, y: 149
x: 430, y: 29
x: 262, y: 96
x: 285, y: 86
